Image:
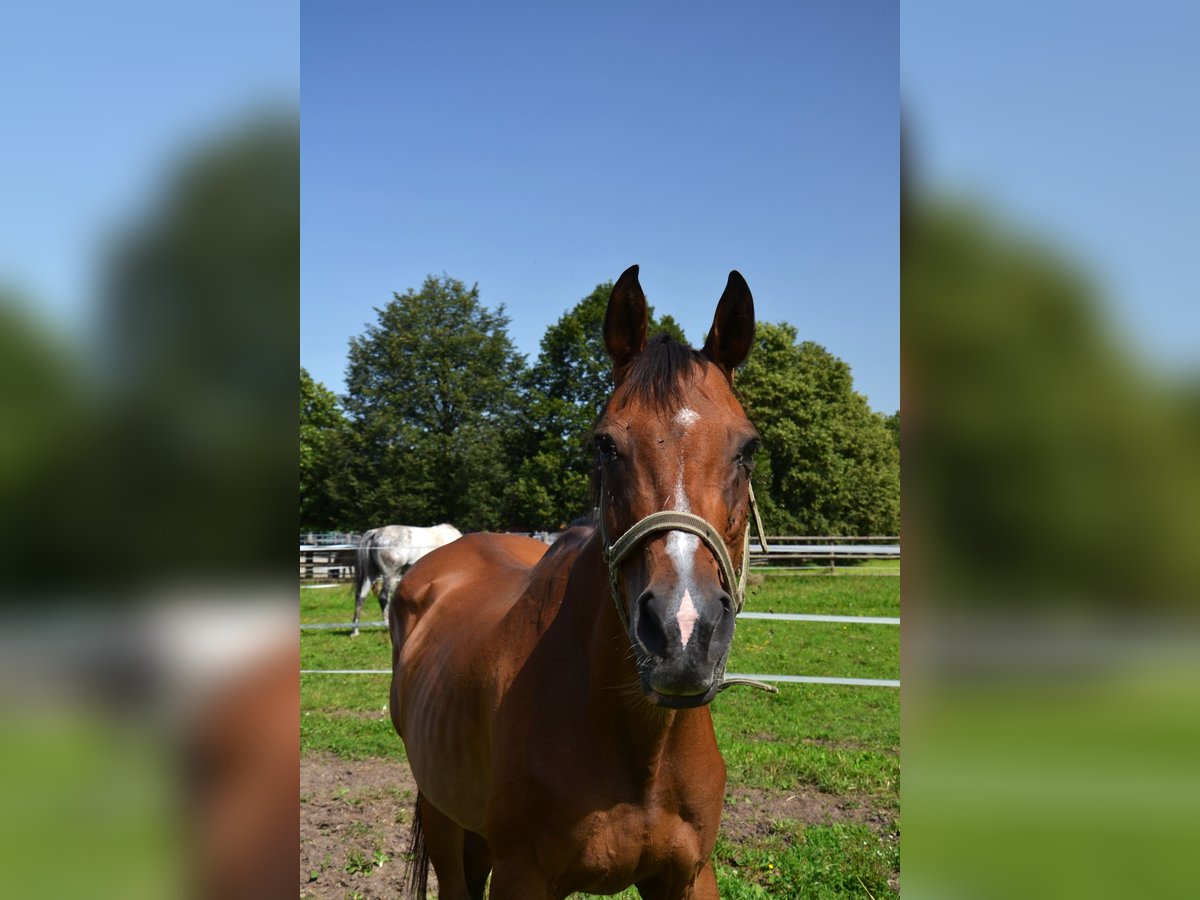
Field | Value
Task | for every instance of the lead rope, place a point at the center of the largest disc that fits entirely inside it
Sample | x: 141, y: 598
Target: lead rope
x: 762, y: 544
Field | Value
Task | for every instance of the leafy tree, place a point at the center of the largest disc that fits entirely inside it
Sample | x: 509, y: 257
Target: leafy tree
x: 564, y: 392
x: 323, y: 435
x: 432, y: 390
x: 828, y: 464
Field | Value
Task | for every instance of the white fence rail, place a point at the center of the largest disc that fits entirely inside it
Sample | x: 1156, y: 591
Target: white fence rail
x: 330, y: 557
x: 335, y: 561
x: 779, y: 617
x: 780, y: 679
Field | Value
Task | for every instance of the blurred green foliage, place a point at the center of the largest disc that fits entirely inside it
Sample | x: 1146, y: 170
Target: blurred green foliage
x: 1045, y: 465
x: 153, y: 450
x: 42, y: 406
x: 1051, y: 486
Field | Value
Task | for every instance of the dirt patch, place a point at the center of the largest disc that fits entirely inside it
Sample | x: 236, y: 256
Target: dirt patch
x: 354, y: 823
x: 753, y: 813
x: 355, y: 817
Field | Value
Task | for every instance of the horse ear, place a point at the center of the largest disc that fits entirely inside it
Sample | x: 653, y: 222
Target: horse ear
x: 732, y: 331
x: 625, y: 322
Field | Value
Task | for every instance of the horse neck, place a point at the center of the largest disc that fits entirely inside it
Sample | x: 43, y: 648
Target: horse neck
x: 637, y: 730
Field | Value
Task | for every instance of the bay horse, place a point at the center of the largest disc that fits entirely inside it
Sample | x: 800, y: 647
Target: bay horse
x: 554, y: 702
x: 384, y: 553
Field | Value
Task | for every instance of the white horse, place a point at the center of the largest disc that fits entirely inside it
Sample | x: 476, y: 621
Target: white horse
x: 384, y: 553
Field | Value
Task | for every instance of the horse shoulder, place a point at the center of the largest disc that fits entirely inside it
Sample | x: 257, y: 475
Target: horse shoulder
x: 458, y: 650
x: 458, y: 597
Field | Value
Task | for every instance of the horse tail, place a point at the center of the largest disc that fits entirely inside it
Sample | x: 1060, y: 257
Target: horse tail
x: 362, y: 566
x: 416, y: 872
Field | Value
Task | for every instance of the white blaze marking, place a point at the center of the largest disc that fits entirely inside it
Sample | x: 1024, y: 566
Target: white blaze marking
x: 681, y: 500
x: 686, y: 617
x: 686, y: 418
x: 682, y: 547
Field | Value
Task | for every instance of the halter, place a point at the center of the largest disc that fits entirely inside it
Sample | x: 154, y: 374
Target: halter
x: 615, y: 553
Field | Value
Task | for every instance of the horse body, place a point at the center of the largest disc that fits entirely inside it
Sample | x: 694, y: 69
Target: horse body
x: 384, y: 553
x: 554, y: 708
x: 494, y: 738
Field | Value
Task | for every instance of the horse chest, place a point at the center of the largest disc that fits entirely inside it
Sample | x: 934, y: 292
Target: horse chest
x: 610, y: 822
x: 626, y: 844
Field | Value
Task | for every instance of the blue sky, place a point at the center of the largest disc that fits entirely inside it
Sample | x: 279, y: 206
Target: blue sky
x: 1078, y: 123
x: 541, y: 148
x: 99, y: 102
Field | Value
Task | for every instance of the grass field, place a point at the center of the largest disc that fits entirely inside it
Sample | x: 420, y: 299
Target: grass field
x: 812, y: 804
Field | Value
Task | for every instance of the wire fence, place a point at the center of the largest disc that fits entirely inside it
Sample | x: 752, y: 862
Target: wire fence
x: 326, y: 538
x: 323, y: 559
x: 781, y: 679
x: 781, y: 617
x: 756, y: 676
x: 332, y: 553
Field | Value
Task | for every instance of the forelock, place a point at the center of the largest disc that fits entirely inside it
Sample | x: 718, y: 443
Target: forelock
x: 660, y: 374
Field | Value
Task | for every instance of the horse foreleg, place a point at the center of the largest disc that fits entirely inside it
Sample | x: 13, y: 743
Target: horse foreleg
x: 445, y: 843
x: 477, y: 863
x: 705, y: 885
x: 389, y: 588
x: 364, y: 588
x: 702, y: 887
x: 514, y: 880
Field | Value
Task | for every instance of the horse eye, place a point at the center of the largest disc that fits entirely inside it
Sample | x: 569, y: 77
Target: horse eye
x: 606, y: 447
x: 745, y: 457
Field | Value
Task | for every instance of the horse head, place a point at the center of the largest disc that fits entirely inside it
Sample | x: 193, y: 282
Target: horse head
x: 673, y: 456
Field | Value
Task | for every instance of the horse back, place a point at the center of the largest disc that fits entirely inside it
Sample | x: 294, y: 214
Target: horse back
x: 452, y: 602
x: 473, y: 566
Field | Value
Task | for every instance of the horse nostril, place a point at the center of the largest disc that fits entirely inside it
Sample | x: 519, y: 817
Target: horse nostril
x: 650, y: 633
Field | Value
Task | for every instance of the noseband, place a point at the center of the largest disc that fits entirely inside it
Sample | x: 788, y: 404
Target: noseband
x: 674, y: 520
x: 615, y: 553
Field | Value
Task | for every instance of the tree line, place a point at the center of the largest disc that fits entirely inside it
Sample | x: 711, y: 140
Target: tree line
x: 444, y: 421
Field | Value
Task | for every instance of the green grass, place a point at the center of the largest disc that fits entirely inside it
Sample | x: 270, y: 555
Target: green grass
x: 837, y: 739
x: 817, y: 862
x: 1086, y: 774
x: 843, y: 741
x: 91, y: 806
x: 840, y: 595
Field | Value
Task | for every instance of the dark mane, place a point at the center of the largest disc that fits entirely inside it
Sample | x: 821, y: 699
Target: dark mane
x: 660, y: 373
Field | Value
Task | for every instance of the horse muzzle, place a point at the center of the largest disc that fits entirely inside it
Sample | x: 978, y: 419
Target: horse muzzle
x: 681, y: 645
